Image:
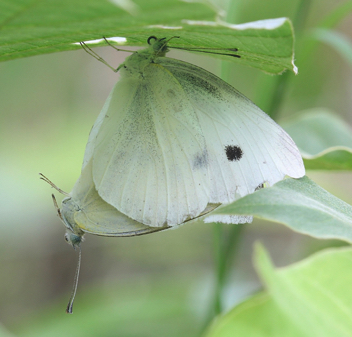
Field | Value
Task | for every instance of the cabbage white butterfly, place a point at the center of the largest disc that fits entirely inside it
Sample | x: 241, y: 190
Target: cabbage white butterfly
x: 172, y: 143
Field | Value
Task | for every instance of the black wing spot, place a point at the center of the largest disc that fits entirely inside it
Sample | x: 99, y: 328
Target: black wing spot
x: 233, y: 152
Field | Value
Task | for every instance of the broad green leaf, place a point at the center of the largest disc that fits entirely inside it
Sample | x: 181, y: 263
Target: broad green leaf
x: 259, y: 316
x: 313, y: 293
x: 300, y: 204
x: 37, y: 27
x: 309, y: 298
x: 324, y: 140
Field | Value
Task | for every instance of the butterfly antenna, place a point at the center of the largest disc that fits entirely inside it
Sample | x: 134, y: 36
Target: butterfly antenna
x: 206, y: 48
x: 161, y: 49
x: 172, y: 37
x: 214, y: 51
x: 75, y: 283
x: 167, y: 41
x: 43, y: 177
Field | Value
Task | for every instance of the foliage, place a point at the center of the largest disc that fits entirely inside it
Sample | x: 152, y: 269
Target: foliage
x: 305, y: 299
x: 327, y: 140
x: 300, y: 204
x: 37, y: 27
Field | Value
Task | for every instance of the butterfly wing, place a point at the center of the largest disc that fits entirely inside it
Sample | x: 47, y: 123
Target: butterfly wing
x: 95, y: 216
x: 245, y: 147
x: 182, y: 139
x: 126, y: 91
x: 149, y: 153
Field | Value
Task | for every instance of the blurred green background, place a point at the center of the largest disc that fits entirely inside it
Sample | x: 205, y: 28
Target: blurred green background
x: 154, y: 285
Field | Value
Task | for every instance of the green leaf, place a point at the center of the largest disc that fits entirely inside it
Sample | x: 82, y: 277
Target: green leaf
x: 259, y: 316
x: 38, y: 27
x: 300, y: 204
x: 336, y: 40
x: 336, y: 15
x: 309, y: 298
x: 333, y: 18
x: 324, y: 140
x: 313, y: 293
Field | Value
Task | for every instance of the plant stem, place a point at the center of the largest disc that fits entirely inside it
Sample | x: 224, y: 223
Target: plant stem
x: 225, y: 247
x: 279, y: 85
x: 219, y: 265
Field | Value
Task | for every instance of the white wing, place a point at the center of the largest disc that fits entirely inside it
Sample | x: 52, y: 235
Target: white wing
x: 125, y: 91
x: 149, y: 153
x: 93, y: 215
x: 245, y: 147
x: 170, y: 143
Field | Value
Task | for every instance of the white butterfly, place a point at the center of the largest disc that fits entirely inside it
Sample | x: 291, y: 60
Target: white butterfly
x: 172, y: 143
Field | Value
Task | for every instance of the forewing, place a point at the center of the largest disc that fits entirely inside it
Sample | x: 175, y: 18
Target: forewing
x: 121, y: 96
x: 150, y: 156
x: 245, y: 147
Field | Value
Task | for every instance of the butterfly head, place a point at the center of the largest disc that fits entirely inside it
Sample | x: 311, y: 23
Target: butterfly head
x: 135, y: 64
x: 159, y: 46
x: 73, y: 239
x: 73, y: 235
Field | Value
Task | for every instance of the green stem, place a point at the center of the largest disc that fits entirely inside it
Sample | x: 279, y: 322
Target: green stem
x: 277, y: 96
x: 219, y: 263
x: 300, y: 19
x: 329, y: 22
x: 225, y: 247
x: 279, y: 85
